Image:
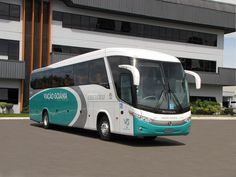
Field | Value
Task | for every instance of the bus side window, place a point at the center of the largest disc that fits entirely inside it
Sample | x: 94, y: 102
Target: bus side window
x: 97, y: 73
x: 68, y: 76
x: 81, y: 73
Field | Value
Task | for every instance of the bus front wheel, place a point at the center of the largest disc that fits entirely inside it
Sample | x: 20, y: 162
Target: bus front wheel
x: 104, y: 128
x: 45, y: 120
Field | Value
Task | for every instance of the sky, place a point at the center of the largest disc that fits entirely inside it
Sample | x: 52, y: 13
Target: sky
x: 229, y: 44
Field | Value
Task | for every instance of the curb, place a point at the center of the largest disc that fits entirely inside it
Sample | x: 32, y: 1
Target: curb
x: 213, y: 118
x: 14, y: 118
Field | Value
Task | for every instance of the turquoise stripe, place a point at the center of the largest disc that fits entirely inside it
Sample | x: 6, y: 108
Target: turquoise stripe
x: 155, y: 130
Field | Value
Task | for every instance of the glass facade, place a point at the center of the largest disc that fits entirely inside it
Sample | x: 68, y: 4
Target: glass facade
x: 91, y: 23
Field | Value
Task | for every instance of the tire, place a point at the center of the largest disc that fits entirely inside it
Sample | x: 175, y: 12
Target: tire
x: 46, y: 123
x: 104, y: 129
x: 149, y: 138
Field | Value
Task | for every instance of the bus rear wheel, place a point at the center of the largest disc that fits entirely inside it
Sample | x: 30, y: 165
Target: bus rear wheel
x: 104, y: 128
x: 46, y: 124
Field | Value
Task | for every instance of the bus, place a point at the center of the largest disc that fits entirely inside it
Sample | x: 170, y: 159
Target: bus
x: 126, y: 91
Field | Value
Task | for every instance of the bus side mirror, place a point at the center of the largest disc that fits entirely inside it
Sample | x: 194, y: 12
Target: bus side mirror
x: 196, y: 76
x: 134, y: 71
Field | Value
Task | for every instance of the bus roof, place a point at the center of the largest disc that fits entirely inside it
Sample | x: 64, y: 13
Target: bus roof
x: 130, y: 52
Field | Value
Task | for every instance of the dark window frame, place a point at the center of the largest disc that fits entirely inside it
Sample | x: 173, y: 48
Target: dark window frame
x: 11, y: 49
x: 13, y: 12
x: 135, y: 29
x: 203, y: 65
x: 13, y: 95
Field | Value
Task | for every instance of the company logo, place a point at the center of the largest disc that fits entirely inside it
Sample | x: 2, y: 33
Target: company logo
x: 170, y: 123
x: 55, y: 96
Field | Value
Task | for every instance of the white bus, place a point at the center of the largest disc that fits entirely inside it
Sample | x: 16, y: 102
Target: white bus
x: 125, y: 91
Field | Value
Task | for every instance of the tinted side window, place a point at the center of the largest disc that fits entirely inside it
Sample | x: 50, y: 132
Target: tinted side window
x: 58, y: 80
x: 68, y: 76
x: 97, y: 73
x: 81, y: 73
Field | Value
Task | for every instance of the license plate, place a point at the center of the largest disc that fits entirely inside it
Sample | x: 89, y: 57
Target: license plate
x: 168, y: 130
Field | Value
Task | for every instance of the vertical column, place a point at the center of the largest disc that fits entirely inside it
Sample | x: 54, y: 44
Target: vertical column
x: 46, y: 34
x: 32, y: 40
x: 23, y: 53
x: 49, y: 31
x: 37, y: 39
x: 41, y: 36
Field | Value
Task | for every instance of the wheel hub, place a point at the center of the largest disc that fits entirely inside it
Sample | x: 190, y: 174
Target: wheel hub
x: 105, y: 128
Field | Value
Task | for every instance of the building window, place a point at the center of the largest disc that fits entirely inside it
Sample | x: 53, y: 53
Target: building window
x: 70, y: 49
x: 198, y: 65
x: 201, y: 98
x: 9, y: 49
x: 134, y: 29
x: 9, y: 11
x: 9, y: 95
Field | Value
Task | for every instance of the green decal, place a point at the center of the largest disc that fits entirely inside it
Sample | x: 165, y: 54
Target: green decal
x: 63, y: 105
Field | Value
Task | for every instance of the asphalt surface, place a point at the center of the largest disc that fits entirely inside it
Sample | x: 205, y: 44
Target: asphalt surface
x: 28, y: 150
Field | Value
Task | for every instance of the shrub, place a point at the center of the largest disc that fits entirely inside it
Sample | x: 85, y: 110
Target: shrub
x: 6, y: 107
x: 228, y: 111
x: 205, y: 107
x: 3, y: 106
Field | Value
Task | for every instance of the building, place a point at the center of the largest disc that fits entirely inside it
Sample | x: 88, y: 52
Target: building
x: 229, y: 96
x: 35, y: 33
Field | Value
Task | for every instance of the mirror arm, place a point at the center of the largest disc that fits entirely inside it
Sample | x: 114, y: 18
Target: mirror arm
x: 196, y: 76
x: 134, y: 71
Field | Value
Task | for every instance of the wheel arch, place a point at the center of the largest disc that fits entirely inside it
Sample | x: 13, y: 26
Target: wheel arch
x: 100, y: 114
x: 43, y: 111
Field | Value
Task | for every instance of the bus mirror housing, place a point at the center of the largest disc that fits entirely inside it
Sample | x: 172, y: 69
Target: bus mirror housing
x: 196, y: 76
x: 134, y: 71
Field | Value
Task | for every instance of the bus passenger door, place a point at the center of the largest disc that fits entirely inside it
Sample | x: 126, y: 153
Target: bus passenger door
x: 126, y: 119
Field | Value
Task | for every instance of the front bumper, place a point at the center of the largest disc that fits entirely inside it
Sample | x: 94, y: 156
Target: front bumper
x: 142, y: 128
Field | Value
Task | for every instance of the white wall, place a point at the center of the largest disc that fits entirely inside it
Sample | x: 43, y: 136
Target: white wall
x: 12, y: 30
x: 207, y: 91
x: 6, y: 83
x: 90, y: 39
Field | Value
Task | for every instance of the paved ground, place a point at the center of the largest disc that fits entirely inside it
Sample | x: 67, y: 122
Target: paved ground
x: 27, y: 150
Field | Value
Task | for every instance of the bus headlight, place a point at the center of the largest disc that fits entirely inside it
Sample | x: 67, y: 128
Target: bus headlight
x: 187, y: 119
x: 143, y: 118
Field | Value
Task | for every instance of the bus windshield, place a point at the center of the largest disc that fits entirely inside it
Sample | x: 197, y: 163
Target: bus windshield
x: 163, y: 87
